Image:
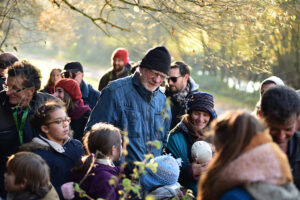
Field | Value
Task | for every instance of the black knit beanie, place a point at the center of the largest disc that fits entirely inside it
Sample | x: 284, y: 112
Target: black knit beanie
x: 157, y: 58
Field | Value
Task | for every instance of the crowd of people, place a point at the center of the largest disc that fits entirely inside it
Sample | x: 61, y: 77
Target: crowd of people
x: 68, y: 135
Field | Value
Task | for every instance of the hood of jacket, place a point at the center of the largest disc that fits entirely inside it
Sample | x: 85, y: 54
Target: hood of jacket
x: 193, y: 85
x: 166, y: 192
x: 42, y: 143
x: 51, y: 195
x: 266, y: 191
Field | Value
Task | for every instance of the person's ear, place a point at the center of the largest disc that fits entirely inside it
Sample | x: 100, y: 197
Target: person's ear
x: 186, y: 77
x: 23, y: 184
x: 113, y: 150
x: 44, y: 129
x: 31, y: 90
x: 259, y: 114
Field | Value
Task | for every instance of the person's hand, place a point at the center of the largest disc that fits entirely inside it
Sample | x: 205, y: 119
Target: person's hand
x: 198, y: 169
x: 68, y: 190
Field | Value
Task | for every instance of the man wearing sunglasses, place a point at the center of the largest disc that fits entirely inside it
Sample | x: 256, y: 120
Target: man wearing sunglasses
x: 136, y: 105
x: 180, y: 86
x: 74, y: 70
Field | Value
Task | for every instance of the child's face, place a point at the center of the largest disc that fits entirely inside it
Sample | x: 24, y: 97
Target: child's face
x: 59, y: 93
x: 57, y: 127
x: 10, y: 185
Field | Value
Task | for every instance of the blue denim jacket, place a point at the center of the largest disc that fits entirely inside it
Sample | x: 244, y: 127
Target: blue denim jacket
x: 126, y: 104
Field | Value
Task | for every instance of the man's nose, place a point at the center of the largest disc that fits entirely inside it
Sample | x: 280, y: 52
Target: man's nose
x: 157, y: 79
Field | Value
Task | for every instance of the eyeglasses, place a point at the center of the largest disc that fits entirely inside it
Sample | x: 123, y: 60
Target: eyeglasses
x: 8, y: 88
x: 173, y: 78
x: 69, y: 74
x: 60, y: 121
x: 156, y: 74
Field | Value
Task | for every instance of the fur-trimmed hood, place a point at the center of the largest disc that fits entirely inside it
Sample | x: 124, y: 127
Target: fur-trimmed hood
x: 262, y: 162
x: 42, y: 143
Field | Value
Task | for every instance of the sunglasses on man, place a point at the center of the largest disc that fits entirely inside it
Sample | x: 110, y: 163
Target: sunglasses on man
x: 69, y: 74
x: 173, y: 78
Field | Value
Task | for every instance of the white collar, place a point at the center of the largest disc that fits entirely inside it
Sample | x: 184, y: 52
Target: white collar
x: 105, y: 162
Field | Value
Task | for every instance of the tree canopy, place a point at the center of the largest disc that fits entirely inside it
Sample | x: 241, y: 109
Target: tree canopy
x: 248, y: 40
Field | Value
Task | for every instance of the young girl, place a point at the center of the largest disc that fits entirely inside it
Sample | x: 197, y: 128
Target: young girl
x: 55, y: 76
x: 69, y: 92
x: 28, y: 177
x: 54, y: 144
x: 248, y: 164
x: 103, y: 145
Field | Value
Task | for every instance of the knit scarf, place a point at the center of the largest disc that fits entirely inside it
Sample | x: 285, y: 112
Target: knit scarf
x: 79, y: 110
x: 180, y: 96
x: 261, y: 162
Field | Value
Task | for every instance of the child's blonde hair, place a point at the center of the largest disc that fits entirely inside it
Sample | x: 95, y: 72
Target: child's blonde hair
x: 31, y: 169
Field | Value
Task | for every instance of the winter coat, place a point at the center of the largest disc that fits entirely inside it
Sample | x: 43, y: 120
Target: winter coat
x: 262, y: 170
x: 179, y: 108
x: 111, y: 76
x: 60, y: 159
x: 89, y: 94
x: 51, y: 195
x: 179, y: 144
x: 294, y: 157
x: 9, y: 136
x: 96, y: 184
x: 126, y: 104
x: 79, y: 117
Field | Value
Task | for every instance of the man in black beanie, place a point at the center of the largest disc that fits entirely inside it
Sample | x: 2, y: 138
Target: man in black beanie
x: 136, y: 105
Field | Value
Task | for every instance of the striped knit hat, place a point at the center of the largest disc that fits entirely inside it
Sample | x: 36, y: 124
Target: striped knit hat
x: 203, y: 102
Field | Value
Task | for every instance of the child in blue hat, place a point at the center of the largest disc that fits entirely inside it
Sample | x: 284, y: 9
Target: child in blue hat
x: 163, y: 183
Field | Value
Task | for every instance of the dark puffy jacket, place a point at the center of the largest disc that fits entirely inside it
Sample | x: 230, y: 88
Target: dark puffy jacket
x: 9, y: 138
x: 60, y: 159
x: 90, y: 96
x: 111, y: 76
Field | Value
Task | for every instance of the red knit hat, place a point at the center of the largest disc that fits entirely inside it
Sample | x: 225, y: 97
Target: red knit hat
x: 121, y: 53
x: 71, y: 87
